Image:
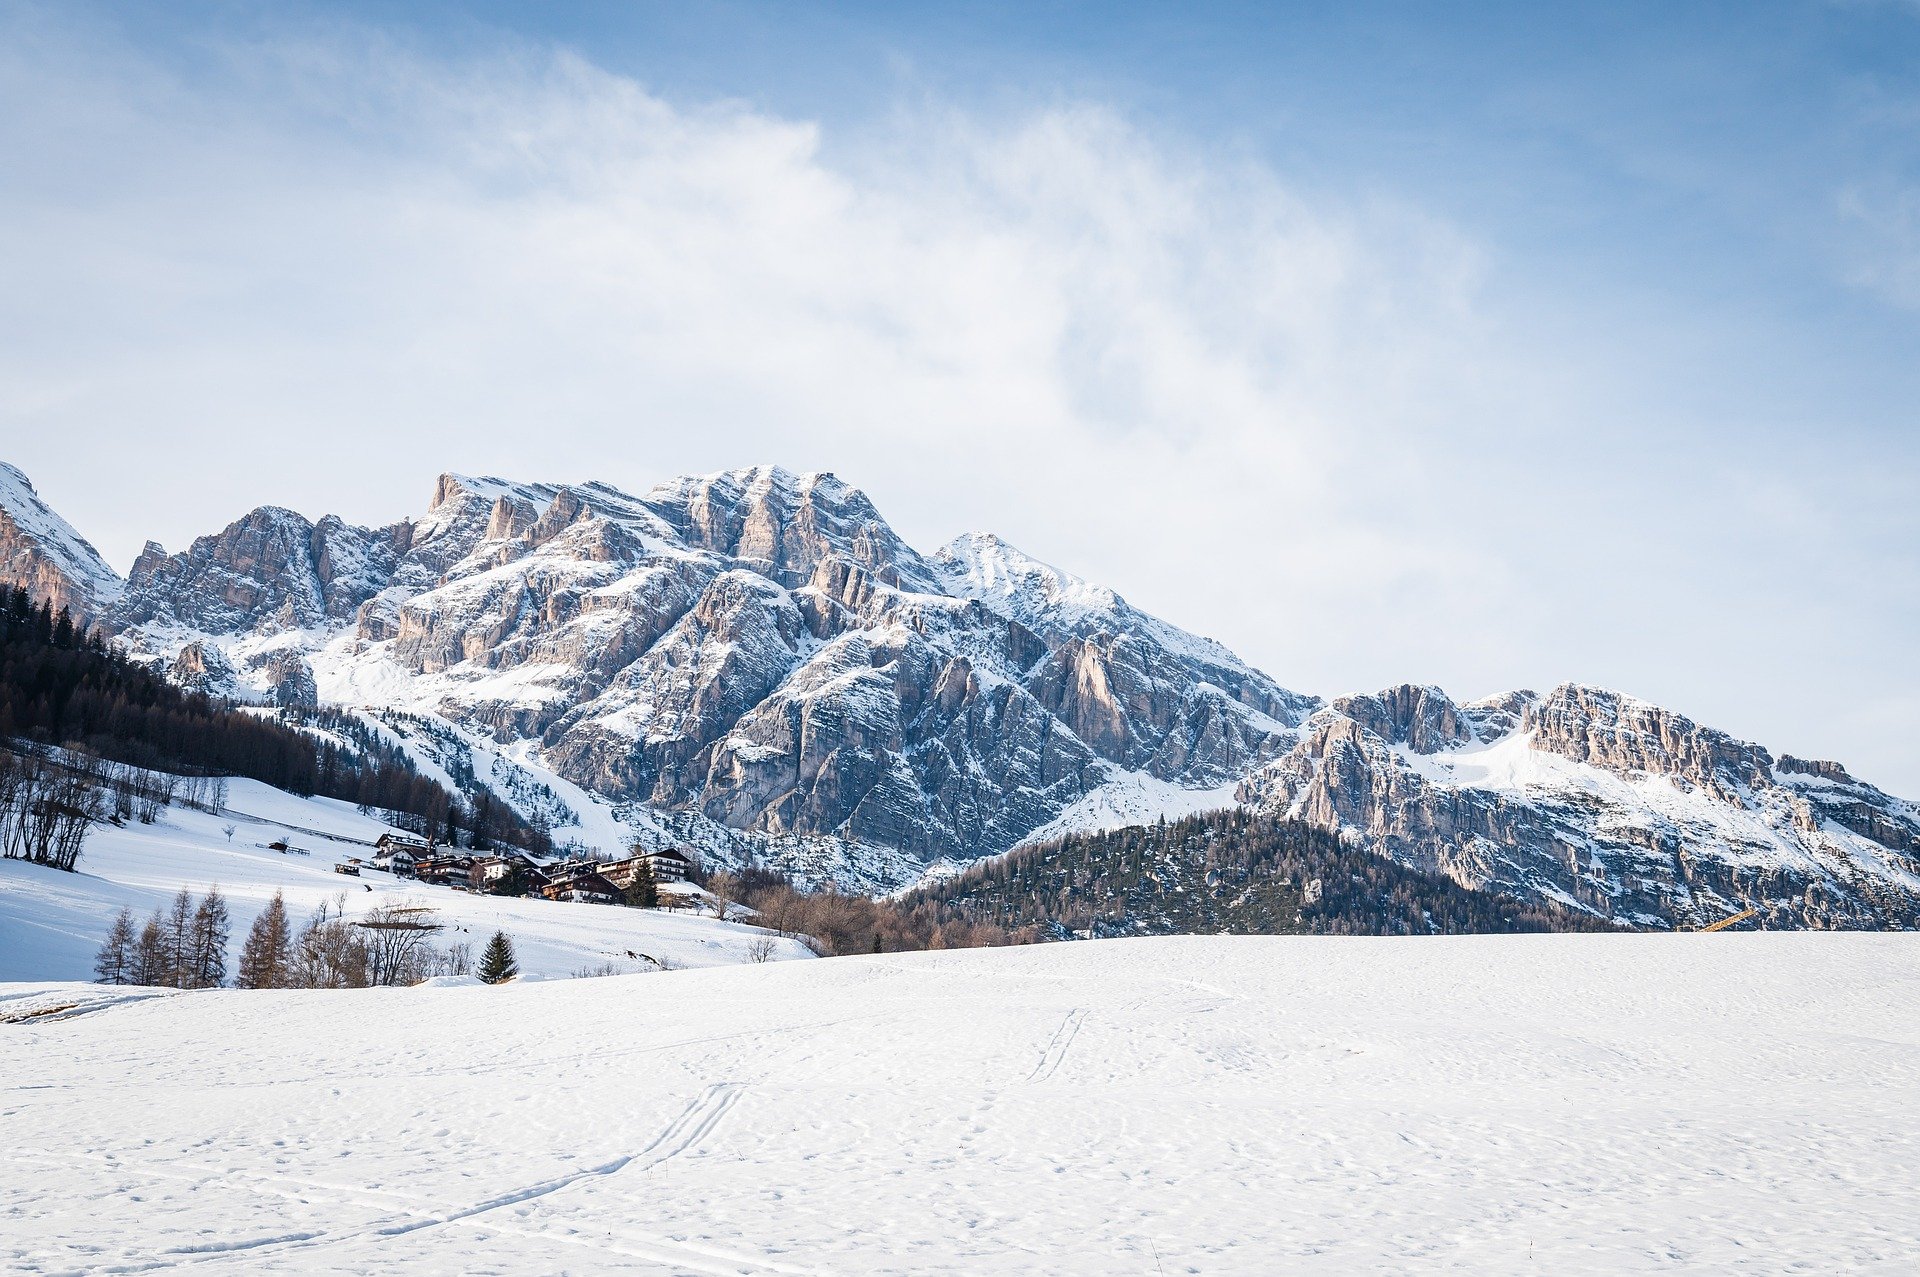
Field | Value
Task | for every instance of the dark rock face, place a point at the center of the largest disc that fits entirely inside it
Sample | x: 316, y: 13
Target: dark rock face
x: 1421, y: 718
x: 203, y: 668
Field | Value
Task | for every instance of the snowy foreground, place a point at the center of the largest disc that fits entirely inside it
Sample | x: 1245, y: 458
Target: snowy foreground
x: 52, y: 923
x: 1563, y: 1104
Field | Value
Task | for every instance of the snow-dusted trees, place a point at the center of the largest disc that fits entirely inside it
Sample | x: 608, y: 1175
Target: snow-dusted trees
x: 118, y: 957
x: 184, y: 946
x: 497, y: 963
x: 266, y: 959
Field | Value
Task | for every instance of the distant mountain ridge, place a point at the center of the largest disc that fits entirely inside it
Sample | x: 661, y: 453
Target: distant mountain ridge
x: 754, y: 663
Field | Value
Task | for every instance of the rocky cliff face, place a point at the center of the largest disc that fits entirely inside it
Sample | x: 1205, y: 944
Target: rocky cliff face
x: 755, y: 663
x: 42, y: 554
x: 1618, y: 806
x: 755, y: 652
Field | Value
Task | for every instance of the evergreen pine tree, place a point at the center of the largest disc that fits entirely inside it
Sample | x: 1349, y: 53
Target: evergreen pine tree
x: 119, y: 955
x: 266, y: 960
x: 644, y: 892
x: 497, y: 963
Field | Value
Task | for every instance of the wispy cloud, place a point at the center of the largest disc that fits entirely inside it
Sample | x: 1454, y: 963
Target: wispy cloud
x: 522, y: 260
x: 317, y: 269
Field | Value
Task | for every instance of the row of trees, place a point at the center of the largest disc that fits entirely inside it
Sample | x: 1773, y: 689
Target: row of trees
x: 183, y: 946
x: 50, y: 798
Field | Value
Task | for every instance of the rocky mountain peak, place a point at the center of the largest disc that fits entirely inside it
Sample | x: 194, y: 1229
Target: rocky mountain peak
x: 1424, y: 719
x: 1629, y: 736
x: 786, y: 524
x: 754, y: 662
x: 1048, y: 600
x: 40, y: 552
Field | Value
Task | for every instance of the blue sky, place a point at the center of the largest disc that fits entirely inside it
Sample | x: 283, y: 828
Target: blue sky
x: 1486, y: 345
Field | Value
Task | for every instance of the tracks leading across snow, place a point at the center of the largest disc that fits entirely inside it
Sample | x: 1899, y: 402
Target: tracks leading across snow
x: 683, y: 1133
x: 1057, y: 1046
x: 691, y: 1125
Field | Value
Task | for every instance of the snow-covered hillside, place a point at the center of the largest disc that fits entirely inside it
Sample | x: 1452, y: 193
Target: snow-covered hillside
x: 52, y: 923
x: 1566, y: 1104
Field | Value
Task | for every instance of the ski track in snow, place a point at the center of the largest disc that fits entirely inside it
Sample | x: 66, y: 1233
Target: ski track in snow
x: 1566, y: 1104
x: 1057, y: 1046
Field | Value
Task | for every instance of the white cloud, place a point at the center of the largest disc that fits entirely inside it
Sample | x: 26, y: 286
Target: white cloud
x: 317, y: 272
x: 1048, y: 320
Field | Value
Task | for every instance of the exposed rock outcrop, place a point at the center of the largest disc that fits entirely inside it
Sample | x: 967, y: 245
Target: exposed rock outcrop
x: 1603, y: 801
x: 756, y: 663
x: 42, y: 554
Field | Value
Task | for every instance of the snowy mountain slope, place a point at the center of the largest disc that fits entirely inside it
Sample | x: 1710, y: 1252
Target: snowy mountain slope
x: 753, y: 660
x: 1603, y: 802
x: 1492, y: 1105
x: 40, y: 552
x: 754, y: 664
x: 51, y: 923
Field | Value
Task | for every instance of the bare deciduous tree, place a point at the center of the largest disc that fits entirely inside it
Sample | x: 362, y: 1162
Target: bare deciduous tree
x: 206, y: 959
x: 118, y: 960
x: 266, y: 960
x: 397, y: 936
x: 329, y: 954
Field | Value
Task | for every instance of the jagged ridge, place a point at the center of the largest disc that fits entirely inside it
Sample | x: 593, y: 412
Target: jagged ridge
x: 755, y: 662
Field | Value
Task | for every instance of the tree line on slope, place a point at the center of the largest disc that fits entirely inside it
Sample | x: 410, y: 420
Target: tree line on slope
x: 64, y: 686
x: 1232, y: 871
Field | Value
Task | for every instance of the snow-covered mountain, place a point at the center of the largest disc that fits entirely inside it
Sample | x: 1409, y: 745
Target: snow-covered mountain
x: 750, y: 661
x: 41, y: 552
x: 1603, y: 802
x: 754, y: 663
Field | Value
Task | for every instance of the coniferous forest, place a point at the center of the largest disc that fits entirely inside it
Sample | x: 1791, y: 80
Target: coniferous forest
x: 1230, y: 871
x: 61, y: 685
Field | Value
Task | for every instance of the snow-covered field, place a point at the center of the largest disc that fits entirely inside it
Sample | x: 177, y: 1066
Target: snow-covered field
x: 51, y: 923
x: 1539, y: 1104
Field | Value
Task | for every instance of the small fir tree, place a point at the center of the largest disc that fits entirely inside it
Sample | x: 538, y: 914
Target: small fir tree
x: 497, y: 964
